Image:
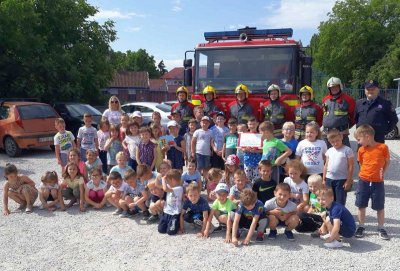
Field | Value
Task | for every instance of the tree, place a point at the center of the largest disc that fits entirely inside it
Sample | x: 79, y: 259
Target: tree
x: 52, y: 51
x: 161, y: 68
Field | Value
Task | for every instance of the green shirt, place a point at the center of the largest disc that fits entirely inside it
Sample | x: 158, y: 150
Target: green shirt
x: 272, y: 149
x: 225, y: 207
x: 315, y: 205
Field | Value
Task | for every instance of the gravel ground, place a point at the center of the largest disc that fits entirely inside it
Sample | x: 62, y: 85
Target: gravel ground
x: 96, y: 240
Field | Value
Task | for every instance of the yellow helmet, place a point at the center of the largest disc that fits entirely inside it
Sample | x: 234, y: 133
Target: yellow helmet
x: 274, y: 87
x: 307, y: 89
x: 209, y: 89
x: 243, y: 88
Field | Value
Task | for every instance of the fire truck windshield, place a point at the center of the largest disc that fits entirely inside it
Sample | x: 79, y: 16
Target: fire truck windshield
x: 256, y: 67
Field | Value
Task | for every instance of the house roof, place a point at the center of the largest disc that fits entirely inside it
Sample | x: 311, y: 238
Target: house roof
x: 130, y: 79
x: 175, y: 73
x: 158, y: 85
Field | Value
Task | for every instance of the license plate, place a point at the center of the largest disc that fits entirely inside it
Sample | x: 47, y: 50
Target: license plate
x: 45, y: 139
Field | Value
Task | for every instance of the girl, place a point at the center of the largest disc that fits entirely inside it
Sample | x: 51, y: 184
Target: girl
x: 96, y: 189
x: 298, y: 187
x: 49, y: 191
x: 18, y: 188
x: 311, y: 151
x: 192, y: 125
x: 146, y: 151
x: 164, y: 167
x: 113, y: 146
x: 156, y: 131
x: 74, y: 156
x: 124, y: 126
x: 288, y: 129
x: 156, y: 120
x: 114, y: 112
x: 214, y: 177
x: 102, y: 135
x: 131, y: 142
x: 191, y: 175
x: 92, y: 162
x: 231, y: 165
x: 72, y: 187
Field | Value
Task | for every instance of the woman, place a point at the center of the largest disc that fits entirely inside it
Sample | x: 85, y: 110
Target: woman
x: 114, y: 112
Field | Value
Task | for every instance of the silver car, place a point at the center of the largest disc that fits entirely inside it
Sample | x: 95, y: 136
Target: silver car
x: 395, y: 132
x: 147, y: 109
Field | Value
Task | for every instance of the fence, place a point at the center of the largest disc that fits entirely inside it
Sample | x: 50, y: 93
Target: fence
x: 388, y: 94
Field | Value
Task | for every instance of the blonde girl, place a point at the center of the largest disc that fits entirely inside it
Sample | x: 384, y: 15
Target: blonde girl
x: 72, y: 187
x: 114, y: 112
x: 299, y: 191
x: 49, y: 191
x: 130, y: 143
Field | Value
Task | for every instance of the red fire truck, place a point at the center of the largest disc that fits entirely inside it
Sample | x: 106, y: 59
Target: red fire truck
x: 256, y: 58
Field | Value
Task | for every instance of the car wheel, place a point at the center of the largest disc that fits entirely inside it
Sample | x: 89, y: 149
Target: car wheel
x: 11, y: 147
x: 392, y: 134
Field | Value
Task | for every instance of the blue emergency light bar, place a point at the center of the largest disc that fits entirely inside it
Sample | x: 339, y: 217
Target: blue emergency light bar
x: 249, y: 33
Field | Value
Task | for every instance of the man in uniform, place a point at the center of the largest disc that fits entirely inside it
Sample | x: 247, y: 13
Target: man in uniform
x: 183, y: 106
x: 209, y: 106
x: 241, y: 109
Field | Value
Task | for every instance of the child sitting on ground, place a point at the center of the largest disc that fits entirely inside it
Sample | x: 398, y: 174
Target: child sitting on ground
x: 264, y: 186
x: 192, y: 174
x: 74, y: 157
x: 214, y: 177
x: 49, y: 191
x: 241, y: 182
x: 73, y: 187
x: 96, y: 189
x: 157, y: 201
x: 298, y: 187
x: 19, y: 188
x: 116, y: 191
x: 121, y: 166
x: 129, y: 201
x: 231, y: 165
x: 143, y: 175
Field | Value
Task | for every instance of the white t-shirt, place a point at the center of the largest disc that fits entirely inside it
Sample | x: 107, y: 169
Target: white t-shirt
x: 203, y: 141
x: 337, y: 162
x: 123, y: 188
x: 114, y: 117
x: 311, y: 154
x: 173, y: 204
x: 91, y: 186
x: 88, y: 137
x: 133, y: 142
x: 64, y: 140
x: 298, y: 189
x: 47, y: 186
x: 102, y: 138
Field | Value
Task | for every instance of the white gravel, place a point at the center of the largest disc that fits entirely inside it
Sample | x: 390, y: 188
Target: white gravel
x: 96, y: 240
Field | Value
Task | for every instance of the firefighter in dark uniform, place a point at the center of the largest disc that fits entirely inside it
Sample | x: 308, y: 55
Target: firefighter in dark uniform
x: 241, y: 109
x: 276, y: 111
x: 183, y: 106
x: 375, y: 111
x: 306, y: 111
x: 209, y: 106
x: 338, y: 111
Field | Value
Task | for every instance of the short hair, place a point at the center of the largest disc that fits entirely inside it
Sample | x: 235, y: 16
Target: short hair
x: 193, y: 186
x: 314, y: 179
x: 92, y: 151
x: 296, y: 164
x: 197, y: 108
x: 192, y: 161
x: 248, y: 197
x: 314, y: 125
x: 282, y: 186
x: 325, y: 192
x: 288, y: 124
x: 87, y: 115
x: 266, y: 126
x: 10, y: 169
x: 215, y: 173
x: 232, y: 121
x: 166, y: 163
x: 173, y: 174
x: 130, y: 173
x: 265, y: 163
x: 115, y: 176
x: 364, y: 130
x: 242, y: 125
x: 143, y: 130
x: 252, y: 119
x: 142, y: 170
x: 156, y: 113
x: 333, y: 133
x: 60, y: 121
x: 120, y: 155
x: 192, y: 121
x: 239, y: 173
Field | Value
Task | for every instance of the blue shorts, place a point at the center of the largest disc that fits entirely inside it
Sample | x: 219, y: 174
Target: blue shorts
x: 202, y: 161
x: 347, y: 232
x: 373, y: 190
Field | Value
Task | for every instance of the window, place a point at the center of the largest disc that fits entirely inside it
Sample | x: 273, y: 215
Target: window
x: 36, y: 111
x: 4, y: 112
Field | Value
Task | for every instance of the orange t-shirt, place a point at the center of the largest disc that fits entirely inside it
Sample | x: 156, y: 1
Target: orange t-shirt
x: 372, y: 160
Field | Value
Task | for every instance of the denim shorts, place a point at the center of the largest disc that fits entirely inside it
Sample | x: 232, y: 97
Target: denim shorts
x: 202, y: 161
x: 373, y: 190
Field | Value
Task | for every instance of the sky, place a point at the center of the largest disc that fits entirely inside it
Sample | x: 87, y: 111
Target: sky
x: 168, y: 28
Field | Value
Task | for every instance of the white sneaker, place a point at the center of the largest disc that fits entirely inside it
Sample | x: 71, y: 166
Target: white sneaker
x: 325, y: 236
x: 334, y: 244
x: 41, y: 207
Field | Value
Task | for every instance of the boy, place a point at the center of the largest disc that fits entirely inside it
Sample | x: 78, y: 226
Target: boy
x: 251, y: 156
x: 219, y: 131
x: 241, y: 182
x: 274, y: 150
x: 198, y: 115
x: 169, y: 221
x: 242, y: 128
x: 121, y: 166
x: 230, y: 139
x: 248, y: 215
x: 338, y: 221
x: 195, y: 209
x: 281, y: 212
x: 116, y: 191
x: 188, y: 139
x: 176, y: 116
x: 374, y: 160
x: 157, y: 200
x: 87, y: 137
x: 175, y: 149
x: 131, y: 195
x: 338, y: 169
x: 64, y: 141
x: 264, y: 186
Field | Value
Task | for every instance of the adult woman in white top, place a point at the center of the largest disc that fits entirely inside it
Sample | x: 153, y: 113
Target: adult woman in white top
x: 114, y: 112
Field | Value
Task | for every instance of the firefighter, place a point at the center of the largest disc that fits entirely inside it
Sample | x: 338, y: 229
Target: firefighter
x: 338, y: 110
x: 276, y: 111
x: 306, y: 111
x: 183, y: 106
x: 209, y: 106
x: 241, y: 109
x: 375, y: 111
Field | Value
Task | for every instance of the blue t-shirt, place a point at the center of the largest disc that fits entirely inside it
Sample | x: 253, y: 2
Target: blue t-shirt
x: 120, y: 170
x: 292, y: 145
x: 197, y: 208
x: 250, y: 214
x: 187, y: 178
x: 116, y: 147
x: 338, y: 211
x: 251, y: 159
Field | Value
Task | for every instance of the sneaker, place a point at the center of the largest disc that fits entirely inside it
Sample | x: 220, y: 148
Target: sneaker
x: 41, y: 207
x: 124, y: 214
x: 118, y: 211
x: 152, y: 218
x: 133, y: 212
x: 383, y: 234
x: 260, y: 237
x: 198, y: 222
x: 289, y: 235
x: 325, y: 236
x: 272, y: 234
x: 218, y: 229
x: 359, y: 232
x: 146, y: 215
x: 315, y: 234
x: 334, y: 244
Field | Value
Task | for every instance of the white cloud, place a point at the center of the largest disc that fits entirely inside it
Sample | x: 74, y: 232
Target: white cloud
x: 133, y: 29
x: 115, y: 14
x: 300, y: 14
x: 177, y: 6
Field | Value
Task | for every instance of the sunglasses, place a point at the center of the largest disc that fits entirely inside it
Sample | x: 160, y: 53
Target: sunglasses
x: 114, y: 102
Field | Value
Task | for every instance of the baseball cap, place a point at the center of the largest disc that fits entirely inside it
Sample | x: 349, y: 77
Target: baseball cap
x: 220, y: 113
x: 205, y: 118
x: 371, y: 84
x: 172, y: 123
x: 232, y: 159
x: 137, y: 114
x: 221, y: 187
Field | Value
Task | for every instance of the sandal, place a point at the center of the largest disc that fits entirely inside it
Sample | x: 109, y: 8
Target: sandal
x: 28, y: 210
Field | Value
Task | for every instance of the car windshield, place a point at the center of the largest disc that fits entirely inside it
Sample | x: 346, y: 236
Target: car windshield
x: 255, y: 67
x: 36, y: 111
x: 164, y: 107
x: 78, y: 110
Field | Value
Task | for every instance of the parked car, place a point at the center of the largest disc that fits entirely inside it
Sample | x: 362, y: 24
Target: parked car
x: 72, y: 113
x: 25, y: 125
x: 147, y: 109
x: 395, y: 132
x: 170, y: 103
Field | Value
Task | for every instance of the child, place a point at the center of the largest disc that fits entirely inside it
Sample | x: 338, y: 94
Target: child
x: 138, y: 118
x: 191, y: 175
x: 139, y: 193
x: 113, y: 146
x: 339, y: 164
x: 241, y: 183
x: 264, y: 186
x: 116, y: 191
x: 298, y: 187
x: 288, y: 139
x: 131, y: 196
x: 92, y: 162
x: 220, y: 209
x: 157, y: 200
x: 130, y: 143
x: 176, y: 151
x: 311, y: 151
x: 155, y: 138
x: 73, y: 187
x: 96, y: 189
x: 281, y: 212
x: 123, y: 126
x: 74, y: 156
x: 274, y: 150
x: 242, y: 128
x: 230, y: 139
x: 102, y: 135
x: 49, y: 191
x: 338, y: 221
x: 164, y: 167
x: 219, y: 131
x: 195, y: 209
x: 251, y: 156
x: 121, y: 166
x: 374, y: 160
x: 19, y: 188
x: 231, y: 166
x: 87, y: 137
x: 188, y: 139
x: 198, y: 114
x: 249, y: 215
x: 214, y: 176
x: 169, y: 221
x: 146, y: 150
x: 156, y: 120
x: 64, y: 141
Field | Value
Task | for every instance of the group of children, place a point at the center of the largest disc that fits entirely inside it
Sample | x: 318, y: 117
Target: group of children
x: 284, y: 183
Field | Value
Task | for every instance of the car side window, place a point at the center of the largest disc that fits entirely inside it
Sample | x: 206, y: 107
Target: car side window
x: 4, y: 112
x: 144, y: 109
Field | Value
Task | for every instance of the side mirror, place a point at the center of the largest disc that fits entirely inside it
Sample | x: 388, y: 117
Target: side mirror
x: 306, y: 70
x: 188, y: 80
x: 187, y: 63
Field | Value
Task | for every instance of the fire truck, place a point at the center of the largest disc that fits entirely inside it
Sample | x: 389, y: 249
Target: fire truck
x: 256, y: 58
